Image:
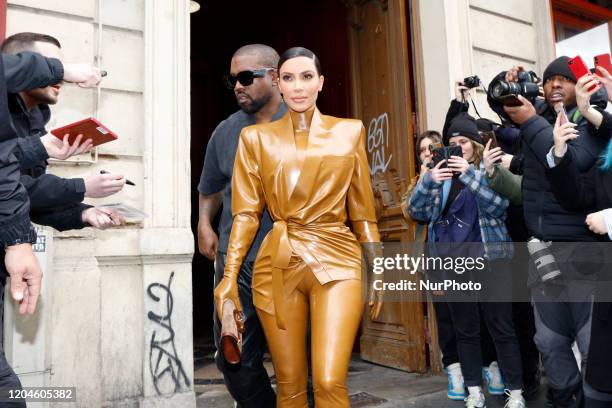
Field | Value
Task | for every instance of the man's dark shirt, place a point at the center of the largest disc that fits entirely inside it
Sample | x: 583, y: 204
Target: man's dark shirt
x: 217, y: 175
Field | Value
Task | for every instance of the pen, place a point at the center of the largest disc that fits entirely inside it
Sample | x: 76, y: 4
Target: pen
x: 128, y: 182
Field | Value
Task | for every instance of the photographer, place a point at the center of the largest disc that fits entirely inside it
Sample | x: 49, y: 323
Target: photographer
x: 589, y: 192
x: 558, y: 323
x: 461, y: 209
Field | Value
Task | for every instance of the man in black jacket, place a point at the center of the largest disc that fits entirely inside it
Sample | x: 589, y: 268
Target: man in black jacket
x: 17, y: 73
x: 54, y: 201
x: 562, y: 311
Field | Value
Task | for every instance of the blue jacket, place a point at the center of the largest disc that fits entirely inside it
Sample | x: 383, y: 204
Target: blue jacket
x: 426, y: 205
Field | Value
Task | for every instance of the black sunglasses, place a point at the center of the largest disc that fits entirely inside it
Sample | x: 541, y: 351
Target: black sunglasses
x: 246, y: 78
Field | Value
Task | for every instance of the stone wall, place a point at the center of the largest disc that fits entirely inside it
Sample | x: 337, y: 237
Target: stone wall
x: 119, y: 301
x: 459, y: 38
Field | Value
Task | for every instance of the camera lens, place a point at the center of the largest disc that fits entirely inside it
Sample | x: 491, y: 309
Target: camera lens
x: 530, y: 90
x: 498, y: 89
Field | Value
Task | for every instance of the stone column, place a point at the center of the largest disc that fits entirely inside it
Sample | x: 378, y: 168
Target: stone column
x: 166, y: 243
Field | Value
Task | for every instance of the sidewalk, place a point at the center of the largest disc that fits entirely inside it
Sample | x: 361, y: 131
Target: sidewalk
x: 369, y: 385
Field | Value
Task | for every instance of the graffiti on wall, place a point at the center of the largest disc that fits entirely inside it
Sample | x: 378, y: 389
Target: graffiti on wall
x: 166, y: 368
x: 378, y: 143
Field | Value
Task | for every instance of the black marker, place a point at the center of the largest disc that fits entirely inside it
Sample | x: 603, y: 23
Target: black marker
x: 128, y: 182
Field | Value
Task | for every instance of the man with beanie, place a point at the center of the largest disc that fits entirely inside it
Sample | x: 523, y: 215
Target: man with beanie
x: 562, y: 307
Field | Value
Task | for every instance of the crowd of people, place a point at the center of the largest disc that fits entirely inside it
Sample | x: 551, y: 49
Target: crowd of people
x: 539, y: 178
x: 544, y: 182
x: 288, y: 268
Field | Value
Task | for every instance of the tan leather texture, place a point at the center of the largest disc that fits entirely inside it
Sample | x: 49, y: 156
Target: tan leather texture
x: 310, y: 195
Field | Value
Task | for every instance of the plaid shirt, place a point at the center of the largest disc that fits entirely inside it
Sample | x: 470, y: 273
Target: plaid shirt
x: 425, y: 204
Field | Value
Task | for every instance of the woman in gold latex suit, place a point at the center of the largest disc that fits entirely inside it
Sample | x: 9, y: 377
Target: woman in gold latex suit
x: 311, y: 171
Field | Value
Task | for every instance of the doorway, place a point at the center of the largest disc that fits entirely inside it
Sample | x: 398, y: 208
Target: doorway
x: 364, y: 48
x: 217, y: 30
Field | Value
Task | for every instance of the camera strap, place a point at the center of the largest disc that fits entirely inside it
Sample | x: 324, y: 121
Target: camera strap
x: 474, y: 103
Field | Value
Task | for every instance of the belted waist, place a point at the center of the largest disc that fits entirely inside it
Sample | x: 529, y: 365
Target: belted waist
x: 279, y: 235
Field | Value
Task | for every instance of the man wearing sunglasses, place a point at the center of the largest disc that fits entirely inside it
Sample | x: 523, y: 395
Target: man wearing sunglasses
x: 254, y: 82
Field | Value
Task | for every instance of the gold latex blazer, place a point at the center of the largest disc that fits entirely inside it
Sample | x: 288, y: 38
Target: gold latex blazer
x: 308, y: 197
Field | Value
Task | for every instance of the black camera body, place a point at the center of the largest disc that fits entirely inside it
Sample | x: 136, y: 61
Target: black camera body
x: 471, y: 81
x: 507, y: 92
x: 444, y: 153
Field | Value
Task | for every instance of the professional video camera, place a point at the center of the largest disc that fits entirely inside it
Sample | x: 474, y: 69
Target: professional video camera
x: 507, y: 92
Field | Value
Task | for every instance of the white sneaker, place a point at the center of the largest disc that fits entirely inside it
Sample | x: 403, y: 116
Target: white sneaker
x: 495, y: 382
x: 456, y: 387
x: 475, y: 401
x: 514, y: 401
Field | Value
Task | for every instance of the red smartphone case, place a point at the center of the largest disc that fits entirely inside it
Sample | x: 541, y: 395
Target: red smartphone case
x: 603, y: 60
x: 90, y: 128
x: 578, y: 67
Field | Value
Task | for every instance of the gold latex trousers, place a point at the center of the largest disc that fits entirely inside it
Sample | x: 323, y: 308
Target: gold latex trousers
x: 335, y: 313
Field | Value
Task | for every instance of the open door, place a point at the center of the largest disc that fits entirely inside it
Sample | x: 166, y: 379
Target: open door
x: 380, y: 74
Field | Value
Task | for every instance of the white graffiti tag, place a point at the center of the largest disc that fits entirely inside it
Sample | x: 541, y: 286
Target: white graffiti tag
x: 378, y: 141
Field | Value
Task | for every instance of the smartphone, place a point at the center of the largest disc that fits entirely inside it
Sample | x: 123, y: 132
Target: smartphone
x: 560, y: 109
x: 578, y: 67
x: 444, y: 153
x: 603, y: 60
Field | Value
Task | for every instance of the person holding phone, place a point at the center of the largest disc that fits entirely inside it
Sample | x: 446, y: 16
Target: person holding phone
x: 446, y: 330
x: 548, y: 220
x: 459, y: 194
x: 589, y: 192
x: 589, y: 85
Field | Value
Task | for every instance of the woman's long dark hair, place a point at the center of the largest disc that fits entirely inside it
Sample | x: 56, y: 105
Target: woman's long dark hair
x: 295, y: 52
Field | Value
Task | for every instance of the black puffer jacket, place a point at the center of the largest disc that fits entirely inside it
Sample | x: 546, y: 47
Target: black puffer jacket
x: 544, y: 215
x: 17, y: 73
x: 52, y: 198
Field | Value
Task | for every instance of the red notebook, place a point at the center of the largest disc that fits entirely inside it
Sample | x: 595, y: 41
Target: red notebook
x: 89, y: 128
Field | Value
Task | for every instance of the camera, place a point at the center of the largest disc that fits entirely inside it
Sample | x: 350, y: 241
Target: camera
x: 443, y: 153
x: 507, y: 92
x: 471, y: 81
x: 545, y: 263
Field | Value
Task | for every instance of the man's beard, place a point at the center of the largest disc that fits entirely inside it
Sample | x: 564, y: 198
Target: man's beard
x: 255, y: 105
